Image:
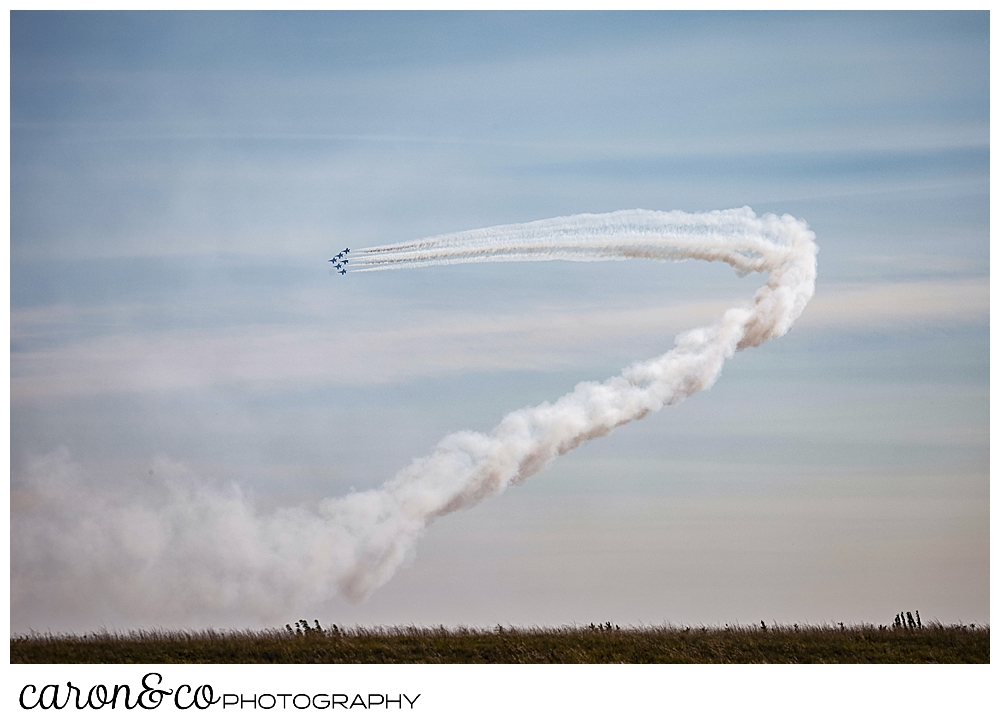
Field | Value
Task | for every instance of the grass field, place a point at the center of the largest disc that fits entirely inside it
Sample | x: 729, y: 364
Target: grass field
x: 606, y: 643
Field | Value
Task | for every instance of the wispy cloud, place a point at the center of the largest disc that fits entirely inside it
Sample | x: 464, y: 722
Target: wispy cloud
x: 907, y: 303
x: 311, y: 355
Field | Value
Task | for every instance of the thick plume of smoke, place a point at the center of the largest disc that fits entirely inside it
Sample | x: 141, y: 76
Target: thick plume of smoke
x: 178, y: 547
x: 467, y: 467
x: 167, y: 550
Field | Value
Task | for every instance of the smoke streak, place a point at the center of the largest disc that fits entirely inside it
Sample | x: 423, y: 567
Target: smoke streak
x: 467, y: 467
x: 735, y: 237
x: 353, y: 544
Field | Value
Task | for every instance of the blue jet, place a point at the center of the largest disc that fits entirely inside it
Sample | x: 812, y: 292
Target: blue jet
x: 338, y: 264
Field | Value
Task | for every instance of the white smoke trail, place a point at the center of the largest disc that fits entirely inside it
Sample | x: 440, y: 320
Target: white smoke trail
x: 730, y: 236
x: 467, y: 467
x: 169, y: 550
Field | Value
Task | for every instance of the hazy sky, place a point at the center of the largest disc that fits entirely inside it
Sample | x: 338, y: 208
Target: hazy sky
x: 187, y: 374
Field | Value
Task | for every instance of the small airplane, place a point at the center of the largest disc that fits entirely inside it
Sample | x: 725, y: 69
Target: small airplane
x: 347, y: 250
x: 346, y: 260
x: 343, y: 271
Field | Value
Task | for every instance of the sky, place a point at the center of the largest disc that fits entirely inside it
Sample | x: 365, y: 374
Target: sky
x: 191, y: 384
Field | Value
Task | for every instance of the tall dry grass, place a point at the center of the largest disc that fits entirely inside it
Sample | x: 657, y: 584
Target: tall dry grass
x: 603, y: 643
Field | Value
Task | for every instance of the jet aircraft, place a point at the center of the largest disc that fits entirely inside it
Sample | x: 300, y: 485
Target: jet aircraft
x: 339, y: 265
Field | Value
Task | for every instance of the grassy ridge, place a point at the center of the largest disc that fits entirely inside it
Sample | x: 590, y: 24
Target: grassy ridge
x: 733, y: 644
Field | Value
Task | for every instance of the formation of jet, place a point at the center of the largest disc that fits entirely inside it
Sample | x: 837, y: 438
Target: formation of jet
x: 341, y: 266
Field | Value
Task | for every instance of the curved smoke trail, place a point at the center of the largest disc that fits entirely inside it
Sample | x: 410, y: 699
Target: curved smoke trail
x: 178, y: 550
x: 467, y: 466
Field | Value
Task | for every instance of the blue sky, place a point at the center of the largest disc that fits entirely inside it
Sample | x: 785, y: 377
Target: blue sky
x: 178, y: 181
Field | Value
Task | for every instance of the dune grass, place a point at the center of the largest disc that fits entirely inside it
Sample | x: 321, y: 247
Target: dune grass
x: 606, y: 643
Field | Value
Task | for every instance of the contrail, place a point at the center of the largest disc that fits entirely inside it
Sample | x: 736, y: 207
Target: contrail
x: 175, y: 549
x: 468, y: 466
